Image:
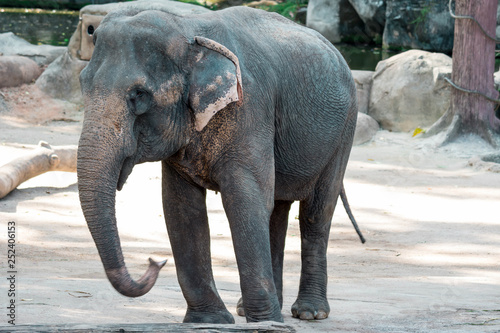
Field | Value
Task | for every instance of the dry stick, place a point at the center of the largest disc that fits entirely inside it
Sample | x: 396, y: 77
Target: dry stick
x: 43, y: 159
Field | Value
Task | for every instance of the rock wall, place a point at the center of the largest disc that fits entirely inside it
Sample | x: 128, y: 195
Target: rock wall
x: 399, y: 24
x: 419, y: 24
x: 372, y: 13
x: 335, y: 19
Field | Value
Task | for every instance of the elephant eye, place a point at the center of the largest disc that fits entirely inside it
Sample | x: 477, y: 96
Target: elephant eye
x: 139, y: 101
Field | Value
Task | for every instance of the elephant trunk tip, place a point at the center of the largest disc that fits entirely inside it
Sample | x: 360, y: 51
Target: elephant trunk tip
x: 125, y: 285
x: 160, y: 264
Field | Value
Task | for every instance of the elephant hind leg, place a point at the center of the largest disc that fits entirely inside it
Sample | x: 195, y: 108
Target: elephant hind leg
x: 278, y: 225
x: 315, y: 216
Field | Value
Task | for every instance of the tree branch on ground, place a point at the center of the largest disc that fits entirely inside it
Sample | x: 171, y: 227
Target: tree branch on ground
x: 43, y: 159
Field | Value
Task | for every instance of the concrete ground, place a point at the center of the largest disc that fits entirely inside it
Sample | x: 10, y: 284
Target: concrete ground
x: 431, y: 262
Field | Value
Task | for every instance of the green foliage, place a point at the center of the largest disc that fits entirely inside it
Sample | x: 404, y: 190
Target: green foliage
x: 287, y: 8
x: 396, y: 49
x: 422, y: 16
x: 204, y: 4
x: 378, y: 39
x: 40, y: 11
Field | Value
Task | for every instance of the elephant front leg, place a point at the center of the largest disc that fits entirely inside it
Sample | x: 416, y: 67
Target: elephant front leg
x: 187, y: 224
x: 277, y: 226
x: 248, y: 203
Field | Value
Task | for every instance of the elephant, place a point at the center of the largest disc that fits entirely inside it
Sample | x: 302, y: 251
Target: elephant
x: 238, y: 101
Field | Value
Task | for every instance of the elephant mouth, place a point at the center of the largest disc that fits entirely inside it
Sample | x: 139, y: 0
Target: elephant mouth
x: 126, y: 170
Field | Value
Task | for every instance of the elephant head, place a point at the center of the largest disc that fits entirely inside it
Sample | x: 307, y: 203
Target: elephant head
x: 150, y: 86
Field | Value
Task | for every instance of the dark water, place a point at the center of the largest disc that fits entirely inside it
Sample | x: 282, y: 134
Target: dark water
x: 363, y: 57
x: 40, y: 28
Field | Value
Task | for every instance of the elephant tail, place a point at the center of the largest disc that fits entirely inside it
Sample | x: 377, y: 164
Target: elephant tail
x: 343, y: 196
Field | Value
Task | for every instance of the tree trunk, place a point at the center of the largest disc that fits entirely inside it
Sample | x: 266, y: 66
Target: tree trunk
x: 473, y: 68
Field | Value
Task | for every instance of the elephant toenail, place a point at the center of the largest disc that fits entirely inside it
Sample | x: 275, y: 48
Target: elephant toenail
x: 322, y: 315
x: 306, y: 316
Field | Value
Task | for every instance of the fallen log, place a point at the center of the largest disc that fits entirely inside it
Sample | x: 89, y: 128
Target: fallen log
x: 43, y: 159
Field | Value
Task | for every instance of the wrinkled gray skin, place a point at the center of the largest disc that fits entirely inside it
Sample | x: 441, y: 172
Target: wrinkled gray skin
x: 155, y: 91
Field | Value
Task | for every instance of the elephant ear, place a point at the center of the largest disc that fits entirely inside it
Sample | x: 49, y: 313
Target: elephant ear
x: 215, y: 81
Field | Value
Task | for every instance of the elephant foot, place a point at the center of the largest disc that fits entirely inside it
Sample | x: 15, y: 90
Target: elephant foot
x: 213, y: 317
x: 310, y: 309
x: 240, y: 310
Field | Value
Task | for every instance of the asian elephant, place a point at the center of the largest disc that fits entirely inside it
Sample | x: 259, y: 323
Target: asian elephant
x: 238, y: 101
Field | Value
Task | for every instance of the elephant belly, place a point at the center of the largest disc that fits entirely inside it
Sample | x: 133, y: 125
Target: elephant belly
x: 292, y: 188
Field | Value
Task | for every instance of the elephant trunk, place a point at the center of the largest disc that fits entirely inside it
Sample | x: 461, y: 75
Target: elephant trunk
x: 98, y: 170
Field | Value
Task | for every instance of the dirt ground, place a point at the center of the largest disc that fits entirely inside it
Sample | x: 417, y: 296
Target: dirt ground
x: 431, y: 262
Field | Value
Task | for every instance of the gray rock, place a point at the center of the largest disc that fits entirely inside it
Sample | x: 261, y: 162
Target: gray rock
x: 336, y: 20
x: 10, y: 44
x: 366, y: 128
x: 419, y: 24
x: 17, y: 70
x: 61, y: 79
x: 363, y: 80
x: 409, y: 90
x: 372, y: 12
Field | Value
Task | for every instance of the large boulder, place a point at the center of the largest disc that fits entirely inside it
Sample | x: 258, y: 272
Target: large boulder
x: 61, y: 78
x: 418, y: 24
x: 17, y: 70
x: 409, y: 90
x: 336, y: 20
x: 10, y: 44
